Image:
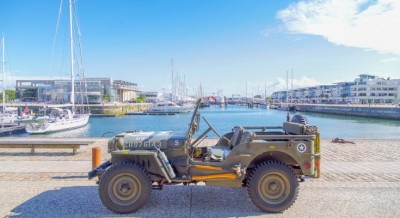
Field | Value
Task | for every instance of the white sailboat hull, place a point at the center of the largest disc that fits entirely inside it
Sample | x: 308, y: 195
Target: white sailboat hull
x: 57, y: 125
x: 168, y: 110
x: 7, y: 119
x: 168, y: 107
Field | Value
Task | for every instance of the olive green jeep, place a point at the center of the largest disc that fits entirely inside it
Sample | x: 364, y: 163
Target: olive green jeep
x: 269, y: 161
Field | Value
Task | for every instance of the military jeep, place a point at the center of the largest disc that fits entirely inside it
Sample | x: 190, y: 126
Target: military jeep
x: 269, y: 161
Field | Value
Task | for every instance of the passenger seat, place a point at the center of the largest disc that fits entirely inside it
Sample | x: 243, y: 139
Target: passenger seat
x: 245, y: 136
x: 219, y: 153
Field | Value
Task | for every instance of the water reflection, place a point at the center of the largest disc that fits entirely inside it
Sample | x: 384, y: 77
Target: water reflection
x: 224, y: 119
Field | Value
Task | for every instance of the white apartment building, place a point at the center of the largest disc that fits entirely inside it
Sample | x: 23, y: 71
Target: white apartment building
x: 365, y: 89
x: 372, y: 89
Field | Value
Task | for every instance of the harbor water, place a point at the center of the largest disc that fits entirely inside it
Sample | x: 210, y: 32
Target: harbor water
x: 224, y: 119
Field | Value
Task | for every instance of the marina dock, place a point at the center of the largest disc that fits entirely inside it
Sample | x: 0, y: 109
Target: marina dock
x: 10, y: 129
x: 361, y: 110
x: 149, y: 113
x: 104, y: 115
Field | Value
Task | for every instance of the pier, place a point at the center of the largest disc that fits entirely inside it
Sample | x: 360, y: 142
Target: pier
x: 10, y: 129
x: 151, y: 113
x: 360, y: 110
x: 103, y: 109
x: 45, y: 143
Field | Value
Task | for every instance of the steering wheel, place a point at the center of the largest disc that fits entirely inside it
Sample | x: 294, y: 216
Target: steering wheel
x: 212, y: 128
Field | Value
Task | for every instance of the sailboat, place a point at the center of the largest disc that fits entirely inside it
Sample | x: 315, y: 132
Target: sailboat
x: 60, y: 119
x: 7, y: 115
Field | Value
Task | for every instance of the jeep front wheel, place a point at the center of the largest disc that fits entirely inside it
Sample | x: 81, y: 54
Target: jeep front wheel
x: 124, y: 187
x: 272, y: 186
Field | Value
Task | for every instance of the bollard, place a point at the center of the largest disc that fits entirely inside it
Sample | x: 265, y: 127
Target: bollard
x: 96, y: 157
x: 317, y: 147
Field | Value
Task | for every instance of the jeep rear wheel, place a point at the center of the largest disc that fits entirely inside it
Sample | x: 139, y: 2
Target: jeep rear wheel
x: 273, y: 186
x: 124, y: 187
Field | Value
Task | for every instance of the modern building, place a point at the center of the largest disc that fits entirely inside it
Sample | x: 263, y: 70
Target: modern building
x: 92, y: 90
x: 365, y: 89
x: 372, y: 89
x: 153, y: 96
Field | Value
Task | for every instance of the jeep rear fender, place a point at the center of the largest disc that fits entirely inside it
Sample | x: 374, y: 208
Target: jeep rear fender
x: 284, y: 158
x: 273, y: 155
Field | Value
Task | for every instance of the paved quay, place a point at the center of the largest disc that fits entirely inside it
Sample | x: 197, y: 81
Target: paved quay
x: 358, y: 180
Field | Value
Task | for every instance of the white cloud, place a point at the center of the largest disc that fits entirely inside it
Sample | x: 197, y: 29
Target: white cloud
x: 269, y: 31
x: 372, y: 25
x: 280, y: 83
x: 386, y: 60
x: 273, y: 85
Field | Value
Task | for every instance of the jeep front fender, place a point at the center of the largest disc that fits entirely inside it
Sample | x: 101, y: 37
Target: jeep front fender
x: 147, y: 159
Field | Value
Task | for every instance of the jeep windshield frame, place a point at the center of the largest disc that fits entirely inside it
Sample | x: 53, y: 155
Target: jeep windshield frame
x: 194, y: 123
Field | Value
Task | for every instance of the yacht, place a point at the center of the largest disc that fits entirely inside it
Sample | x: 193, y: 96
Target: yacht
x: 168, y: 107
x: 61, y: 119
x: 9, y: 115
x: 264, y: 105
x: 58, y: 120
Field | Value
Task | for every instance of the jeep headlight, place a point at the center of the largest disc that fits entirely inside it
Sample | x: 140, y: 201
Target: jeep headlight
x: 116, y: 143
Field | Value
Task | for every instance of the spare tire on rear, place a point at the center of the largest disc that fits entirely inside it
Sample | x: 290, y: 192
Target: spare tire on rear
x: 299, y: 118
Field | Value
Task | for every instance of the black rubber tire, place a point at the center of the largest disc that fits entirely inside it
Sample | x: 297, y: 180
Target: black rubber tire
x: 124, y: 187
x: 273, y: 186
x: 299, y: 118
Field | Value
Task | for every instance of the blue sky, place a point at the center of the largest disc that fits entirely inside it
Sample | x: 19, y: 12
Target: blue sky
x: 222, y: 44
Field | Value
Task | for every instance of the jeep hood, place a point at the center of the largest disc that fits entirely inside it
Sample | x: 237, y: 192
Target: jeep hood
x: 151, y: 140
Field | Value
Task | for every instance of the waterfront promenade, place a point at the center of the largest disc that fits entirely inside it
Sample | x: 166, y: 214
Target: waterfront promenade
x: 379, y: 111
x: 358, y: 180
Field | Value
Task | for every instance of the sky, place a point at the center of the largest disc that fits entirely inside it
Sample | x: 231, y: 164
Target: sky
x: 231, y: 46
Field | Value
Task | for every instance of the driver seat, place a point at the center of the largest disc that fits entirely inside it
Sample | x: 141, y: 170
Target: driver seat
x: 220, y: 152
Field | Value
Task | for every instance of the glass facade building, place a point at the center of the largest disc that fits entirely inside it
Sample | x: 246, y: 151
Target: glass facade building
x: 91, y: 90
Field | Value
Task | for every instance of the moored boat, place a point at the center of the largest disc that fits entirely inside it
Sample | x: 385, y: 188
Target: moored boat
x: 264, y: 105
x: 61, y: 119
x: 167, y: 107
x: 7, y: 115
x: 58, y: 120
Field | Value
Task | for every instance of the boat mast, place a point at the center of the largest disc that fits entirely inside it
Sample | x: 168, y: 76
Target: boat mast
x: 287, y: 87
x: 72, y: 98
x: 2, y: 71
x: 173, y: 82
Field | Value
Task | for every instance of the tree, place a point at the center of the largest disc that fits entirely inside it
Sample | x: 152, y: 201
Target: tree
x: 142, y: 98
x: 320, y: 97
x: 343, y: 96
x: 106, y: 96
x: 9, y: 96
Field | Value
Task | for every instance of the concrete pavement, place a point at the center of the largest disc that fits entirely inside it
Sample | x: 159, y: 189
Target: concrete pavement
x: 358, y: 180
